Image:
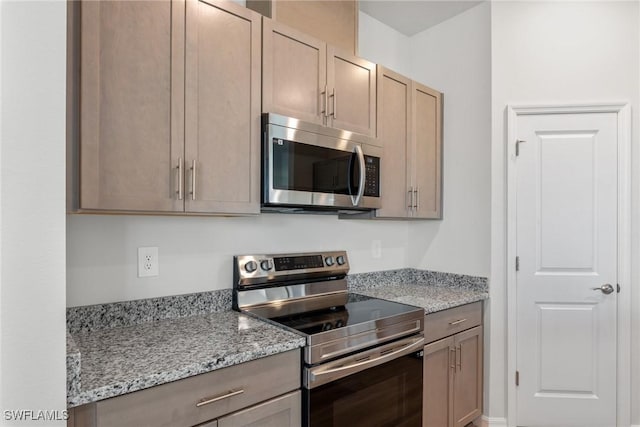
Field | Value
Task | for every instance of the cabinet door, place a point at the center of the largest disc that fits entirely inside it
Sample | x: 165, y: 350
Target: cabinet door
x: 284, y: 411
x: 437, y: 394
x: 131, y: 95
x: 294, y: 73
x: 394, y: 114
x: 222, y: 108
x: 352, y: 97
x: 427, y: 152
x: 467, y: 400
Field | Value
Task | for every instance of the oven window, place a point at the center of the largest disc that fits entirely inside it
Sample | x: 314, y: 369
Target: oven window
x: 388, y: 395
x: 304, y: 167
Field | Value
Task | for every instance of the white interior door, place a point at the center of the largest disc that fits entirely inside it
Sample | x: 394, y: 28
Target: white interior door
x: 566, y: 228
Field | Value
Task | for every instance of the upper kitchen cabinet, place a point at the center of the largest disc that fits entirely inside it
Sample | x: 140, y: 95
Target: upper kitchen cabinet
x: 131, y: 103
x: 394, y: 132
x: 294, y: 73
x: 334, y: 22
x: 426, y: 152
x: 166, y: 117
x: 409, y: 130
x: 307, y: 79
x: 222, y: 108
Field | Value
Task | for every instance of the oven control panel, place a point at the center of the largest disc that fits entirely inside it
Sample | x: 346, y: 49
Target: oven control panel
x: 263, y: 269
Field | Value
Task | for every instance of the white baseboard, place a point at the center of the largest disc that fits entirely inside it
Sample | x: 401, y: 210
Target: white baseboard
x: 495, y: 422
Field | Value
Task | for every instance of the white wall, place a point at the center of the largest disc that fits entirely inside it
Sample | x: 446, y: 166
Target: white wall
x: 454, y: 57
x: 379, y: 43
x: 195, y: 253
x: 557, y: 52
x: 32, y: 281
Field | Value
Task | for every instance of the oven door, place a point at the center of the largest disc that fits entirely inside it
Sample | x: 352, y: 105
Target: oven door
x: 309, y: 169
x: 381, y: 387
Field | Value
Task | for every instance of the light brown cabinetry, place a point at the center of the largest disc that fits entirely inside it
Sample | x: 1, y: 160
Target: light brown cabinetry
x: 426, y: 153
x: 169, y: 110
x: 264, y: 389
x: 334, y: 22
x: 410, y: 132
x: 284, y: 411
x: 452, y: 394
x: 307, y: 79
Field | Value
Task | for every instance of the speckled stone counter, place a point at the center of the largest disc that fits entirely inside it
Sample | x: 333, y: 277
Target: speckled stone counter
x: 433, y: 291
x: 120, y: 360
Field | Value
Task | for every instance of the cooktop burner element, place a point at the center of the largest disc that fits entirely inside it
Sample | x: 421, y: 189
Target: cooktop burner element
x: 307, y: 293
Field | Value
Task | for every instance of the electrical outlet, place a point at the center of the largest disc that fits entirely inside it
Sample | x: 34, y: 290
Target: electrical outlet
x: 147, y: 262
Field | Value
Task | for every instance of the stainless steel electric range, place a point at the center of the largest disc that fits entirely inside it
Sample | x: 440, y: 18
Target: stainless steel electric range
x: 363, y: 357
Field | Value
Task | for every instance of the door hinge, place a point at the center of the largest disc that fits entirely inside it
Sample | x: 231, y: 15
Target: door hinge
x: 518, y: 142
x: 517, y: 263
x: 618, y: 287
x: 517, y: 377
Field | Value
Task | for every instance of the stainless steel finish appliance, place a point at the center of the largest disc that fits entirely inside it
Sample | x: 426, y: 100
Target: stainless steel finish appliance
x: 363, y: 357
x: 308, y: 166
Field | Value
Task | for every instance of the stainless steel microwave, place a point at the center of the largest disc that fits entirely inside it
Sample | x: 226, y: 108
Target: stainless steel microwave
x: 312, y: 167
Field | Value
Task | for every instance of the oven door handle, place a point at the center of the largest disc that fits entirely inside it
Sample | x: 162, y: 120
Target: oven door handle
x: 323, y: 374
x: 355, y: 200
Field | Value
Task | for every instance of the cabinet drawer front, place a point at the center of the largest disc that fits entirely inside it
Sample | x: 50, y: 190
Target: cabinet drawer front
x: 448, y: 322
x: 203, y: 397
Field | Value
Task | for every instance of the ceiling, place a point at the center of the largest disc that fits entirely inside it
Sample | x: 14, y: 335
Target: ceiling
x: 410, y: 17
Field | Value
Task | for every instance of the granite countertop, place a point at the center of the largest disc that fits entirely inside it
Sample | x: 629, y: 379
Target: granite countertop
x: 119, y: 360
x: 117, y: 348
x: 430, y: 297
x: 433, y: 291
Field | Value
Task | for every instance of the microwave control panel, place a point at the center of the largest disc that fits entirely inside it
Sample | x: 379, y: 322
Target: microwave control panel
x: 372, y: 176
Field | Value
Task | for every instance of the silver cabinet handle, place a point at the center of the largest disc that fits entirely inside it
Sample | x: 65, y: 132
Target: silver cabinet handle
x: 180, y: 186
x: 459, y: 356
x: 335, y: 111
x: 325, y: 109
x: 193, y: 180
x: 208, y: 400
x: 416, y: 198
x: 457, y: 322
x: 410, y: 206
x: 452, y: 357
x: 605, y: 289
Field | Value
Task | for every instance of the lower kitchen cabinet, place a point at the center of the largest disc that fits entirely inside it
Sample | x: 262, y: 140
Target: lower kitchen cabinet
x: 262, y: 392
x: 452, y: 394
x: 283, y: 411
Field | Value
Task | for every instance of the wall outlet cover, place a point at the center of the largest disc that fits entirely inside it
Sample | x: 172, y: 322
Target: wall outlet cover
x: 148, y: 261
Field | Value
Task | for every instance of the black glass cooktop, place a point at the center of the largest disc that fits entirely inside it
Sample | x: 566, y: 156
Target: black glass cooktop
x: 358, y: 309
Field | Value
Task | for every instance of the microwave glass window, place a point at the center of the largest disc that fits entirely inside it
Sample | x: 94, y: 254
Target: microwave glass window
x: 303, y: 167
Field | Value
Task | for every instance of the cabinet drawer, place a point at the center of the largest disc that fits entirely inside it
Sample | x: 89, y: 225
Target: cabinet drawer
x: 448, y: 322
x: 203, y: 397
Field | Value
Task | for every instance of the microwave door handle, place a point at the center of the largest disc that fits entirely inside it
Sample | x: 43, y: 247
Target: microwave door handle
x: 356, y: 200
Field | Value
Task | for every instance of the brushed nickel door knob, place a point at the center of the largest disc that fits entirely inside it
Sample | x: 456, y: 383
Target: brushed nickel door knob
x: 605, y: 289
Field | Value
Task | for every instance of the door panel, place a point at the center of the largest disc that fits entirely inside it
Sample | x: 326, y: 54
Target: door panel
x: 556, y: 322
x: 294, y: 73
x: 131, y: 104
x: 352, y: 104
x: 567, y: 245
x: 222, y: 108
x: 427, y: 152
x: 394, y: 113
x: 438, y: 367
x: 467, y: 388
